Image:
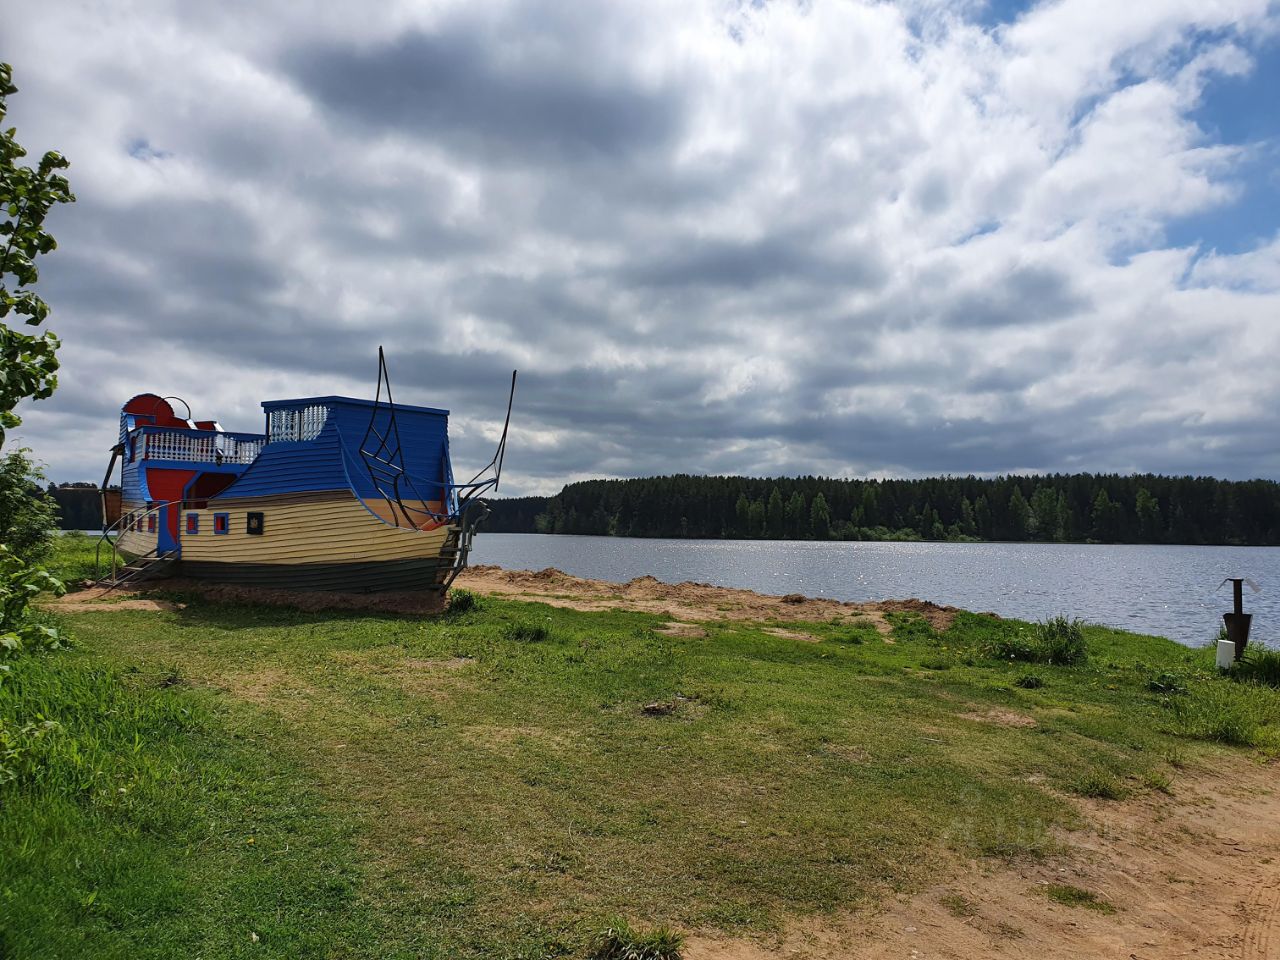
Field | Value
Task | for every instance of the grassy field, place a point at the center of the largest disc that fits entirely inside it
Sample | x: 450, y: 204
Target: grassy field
x: 72, y: 558
x: 224, y: 781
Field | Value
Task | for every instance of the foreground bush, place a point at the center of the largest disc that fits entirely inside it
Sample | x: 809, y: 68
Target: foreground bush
x: 28, y: 518
x: 463, y: 601
x: 1057, y: 641
x: 1258, y: 666
x: 20, y: 584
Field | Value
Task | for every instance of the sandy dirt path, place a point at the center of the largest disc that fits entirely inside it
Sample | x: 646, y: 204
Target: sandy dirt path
x: 1192, y: 875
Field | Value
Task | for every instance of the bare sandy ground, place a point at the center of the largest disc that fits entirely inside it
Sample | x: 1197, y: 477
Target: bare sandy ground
x: 98, y: 598
x: 1196, y: 874
x: 685, y: 603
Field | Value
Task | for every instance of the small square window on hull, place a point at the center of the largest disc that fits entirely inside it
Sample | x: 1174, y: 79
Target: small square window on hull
x: 221, y: 523
x: 193, y: 523
x: 254, y: 524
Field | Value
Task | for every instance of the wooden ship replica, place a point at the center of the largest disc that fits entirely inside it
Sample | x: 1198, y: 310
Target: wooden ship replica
x: 338, y: 494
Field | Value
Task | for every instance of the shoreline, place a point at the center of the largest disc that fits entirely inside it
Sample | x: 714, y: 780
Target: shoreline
x: 685, y: 602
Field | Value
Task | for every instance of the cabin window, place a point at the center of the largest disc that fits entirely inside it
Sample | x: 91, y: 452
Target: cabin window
x: 193, y: 523
x: 151, y: 523
x: 221, y: 522
x: 254, y: 524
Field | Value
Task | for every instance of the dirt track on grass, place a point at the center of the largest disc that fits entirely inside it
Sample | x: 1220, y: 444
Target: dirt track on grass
x: 98, y: 598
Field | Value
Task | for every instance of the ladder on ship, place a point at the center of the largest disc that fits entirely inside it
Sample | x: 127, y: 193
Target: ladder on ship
x: 126, y: 569
x: 146, y: 567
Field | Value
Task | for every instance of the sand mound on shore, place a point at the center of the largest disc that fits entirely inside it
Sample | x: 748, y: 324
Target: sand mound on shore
x: 688, y: 601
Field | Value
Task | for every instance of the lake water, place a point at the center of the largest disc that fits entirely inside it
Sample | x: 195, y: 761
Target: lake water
x: 1167, y: 591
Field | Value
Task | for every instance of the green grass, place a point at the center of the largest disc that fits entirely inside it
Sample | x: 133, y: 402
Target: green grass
x: 1100, y: 785
x: 1167, y: 682
x: 959, y: 906
x: 1259, y: 665
x: 369, y: 786
x: 1158, y: 780
x: 71, y: 558
x: 620, y: 941
x: 1060, y: 640
x: 526, y: 632
x: 1244, y: 716
x: 463, y: 601
x: 1055, y: 641
x: 856, y: 633
x: 1069, y: 896
x: 144, y: 823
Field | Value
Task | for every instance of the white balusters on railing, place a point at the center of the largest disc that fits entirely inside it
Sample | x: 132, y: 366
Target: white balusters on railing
x: 198, y: 447
x: 296, y: 423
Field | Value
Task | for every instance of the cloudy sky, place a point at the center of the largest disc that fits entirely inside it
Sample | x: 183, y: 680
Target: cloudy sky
x: 828, y: 236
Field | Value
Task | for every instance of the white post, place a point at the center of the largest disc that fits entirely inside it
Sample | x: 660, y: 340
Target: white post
x: 1226, y: 654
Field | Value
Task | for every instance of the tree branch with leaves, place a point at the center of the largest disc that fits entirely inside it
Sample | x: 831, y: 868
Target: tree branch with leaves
x: 28, y: 360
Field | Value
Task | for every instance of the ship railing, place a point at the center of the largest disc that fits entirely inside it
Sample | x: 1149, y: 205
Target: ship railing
x: 199, y: 446
x: 135, y: 520
x: 286, y: 424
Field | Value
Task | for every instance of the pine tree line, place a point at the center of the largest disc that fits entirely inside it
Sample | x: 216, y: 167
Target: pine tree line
x: 79, y: 505
x: 1105, y: 508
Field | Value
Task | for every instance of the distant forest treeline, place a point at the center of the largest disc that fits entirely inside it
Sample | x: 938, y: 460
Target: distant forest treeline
x: 1059, y: 507
x: 79, y: 506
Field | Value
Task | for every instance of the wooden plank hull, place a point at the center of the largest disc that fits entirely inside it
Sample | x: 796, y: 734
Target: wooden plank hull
x: 312, y: 541
x: 140, y: 541
x: 375, y: 576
